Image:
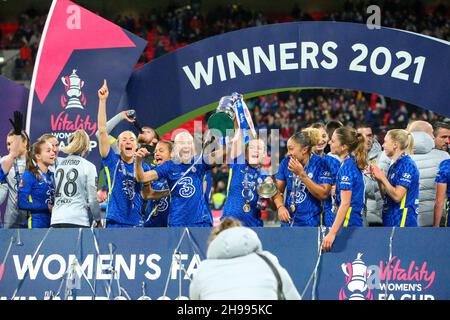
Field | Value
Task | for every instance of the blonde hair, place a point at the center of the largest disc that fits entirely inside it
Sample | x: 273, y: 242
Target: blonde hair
x: 309, y: 137
x: 356, y: 144
x: 404, y: 138
x: 79, y: 143
x: 120, y: 135
x: 226, y: 223
x: 47, y: 136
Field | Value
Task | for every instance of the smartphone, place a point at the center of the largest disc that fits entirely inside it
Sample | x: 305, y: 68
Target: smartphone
x: 131, y: 114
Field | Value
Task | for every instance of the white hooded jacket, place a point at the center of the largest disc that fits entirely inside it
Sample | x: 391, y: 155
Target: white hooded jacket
x: 233, y: 270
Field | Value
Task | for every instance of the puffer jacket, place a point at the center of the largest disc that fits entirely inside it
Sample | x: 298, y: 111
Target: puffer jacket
x: 374, y: 201
x: 427, y: 159
x: 233, y: 270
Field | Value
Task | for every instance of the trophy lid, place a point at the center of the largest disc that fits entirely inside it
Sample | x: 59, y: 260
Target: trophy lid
x: 267, y: 190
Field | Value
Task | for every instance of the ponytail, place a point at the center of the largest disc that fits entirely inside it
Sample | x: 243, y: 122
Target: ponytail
x: 410, y: 142
x: 31, y: 164
x: 78, y: 143
x: 356, y: 145
x: 404, y: 138
x: 360, y: 152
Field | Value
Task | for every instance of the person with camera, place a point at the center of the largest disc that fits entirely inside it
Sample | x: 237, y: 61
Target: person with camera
x: 147, y: 137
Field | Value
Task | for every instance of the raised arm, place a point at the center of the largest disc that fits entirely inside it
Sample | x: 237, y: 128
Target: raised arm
x: 216, y: 156
x: 237, y: 146
x: 141, y: 176
x: 282, y: 211
x: 17, y: 123
x: 346, y: 197
x: 396, y: 193
x: 148, y: 193
x: 111, y: 124
x: 8, y: 161
x: 319, y: 191
x: 103, y: 140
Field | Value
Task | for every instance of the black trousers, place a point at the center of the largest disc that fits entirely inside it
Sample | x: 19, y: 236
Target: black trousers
x: 67, y: 225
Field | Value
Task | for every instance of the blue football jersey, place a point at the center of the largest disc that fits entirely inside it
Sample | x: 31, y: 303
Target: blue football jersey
x: 242, y: 190
x: 349, y: 177
x: 125, y: 200
x: 160, y: 208
x: 3, y: 176
x: 188, y: 207
x: 443, y: 176
x: 333, y: 165
x: 34, y: 196
x: 208, y: 180
x: 403, y: 172
x: 308, y: 209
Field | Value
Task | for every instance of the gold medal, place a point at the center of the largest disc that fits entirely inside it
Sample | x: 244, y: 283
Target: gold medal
x: 246, y: 207
x: 292, y: 208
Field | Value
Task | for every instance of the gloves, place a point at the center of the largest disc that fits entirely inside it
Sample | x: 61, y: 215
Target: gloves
x: 17, y: 123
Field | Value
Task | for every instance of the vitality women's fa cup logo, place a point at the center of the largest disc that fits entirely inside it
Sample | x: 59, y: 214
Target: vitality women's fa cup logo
x: 356, y: 281
x: 73, y: 85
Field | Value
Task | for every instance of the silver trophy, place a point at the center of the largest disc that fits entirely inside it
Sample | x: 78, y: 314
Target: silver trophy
x: 73, y: 85
x: 267, y: 189
x: 223, y: 118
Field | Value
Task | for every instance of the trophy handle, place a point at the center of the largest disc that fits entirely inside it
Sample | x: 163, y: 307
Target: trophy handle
x: 345, y: 269
x: 63, y: 80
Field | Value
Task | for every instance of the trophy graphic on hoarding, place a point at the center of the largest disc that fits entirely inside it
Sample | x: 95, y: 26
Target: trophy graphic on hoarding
x: 356, y: 280
x: 73, y: 85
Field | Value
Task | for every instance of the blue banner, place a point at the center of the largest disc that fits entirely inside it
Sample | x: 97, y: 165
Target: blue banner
x: 399, y: 64
x: 139, y: 263
x: 77, y: 51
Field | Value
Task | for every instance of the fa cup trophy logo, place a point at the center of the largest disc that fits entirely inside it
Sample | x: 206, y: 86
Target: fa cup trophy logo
x: 73, y: 85
x: 355, y: 280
